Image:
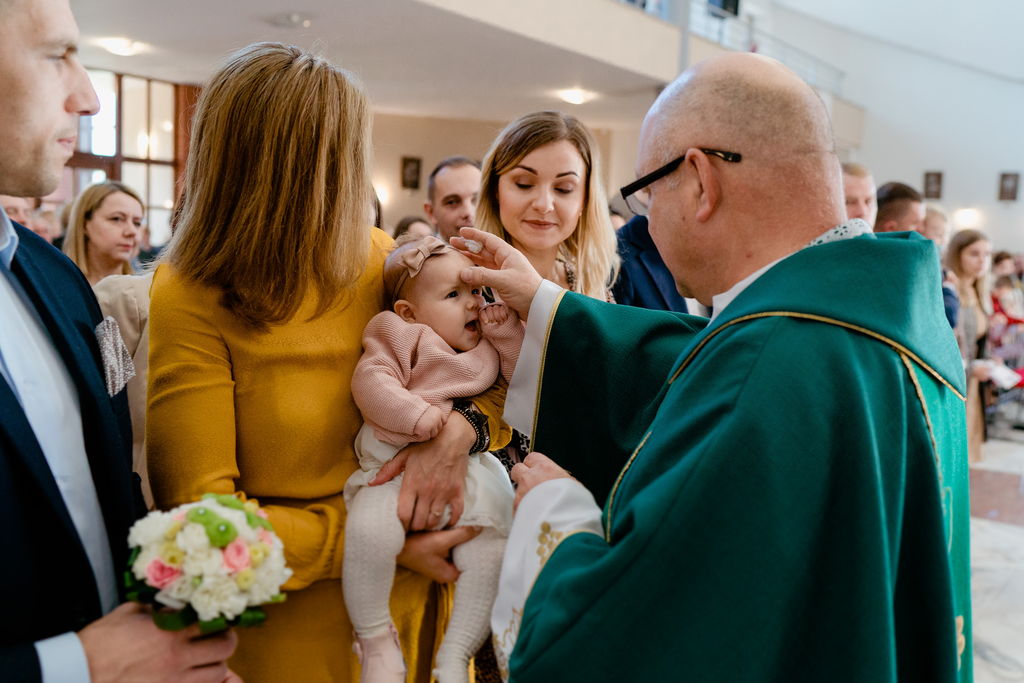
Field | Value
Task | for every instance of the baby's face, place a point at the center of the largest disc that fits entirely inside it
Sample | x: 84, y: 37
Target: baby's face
x: 444, y: 303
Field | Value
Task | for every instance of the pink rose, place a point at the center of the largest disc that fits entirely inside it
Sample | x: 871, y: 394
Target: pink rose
x: 263, y: 514
x: 160, y: 575
x: 179, y: 517
x: 266, y: 537
x: 236, y: 555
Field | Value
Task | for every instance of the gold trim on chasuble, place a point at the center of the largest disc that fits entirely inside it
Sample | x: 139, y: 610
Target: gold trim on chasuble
x: 905, y: 355
x: 543, y: 361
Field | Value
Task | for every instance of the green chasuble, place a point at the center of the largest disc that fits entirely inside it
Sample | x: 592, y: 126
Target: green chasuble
x: 785, y: 489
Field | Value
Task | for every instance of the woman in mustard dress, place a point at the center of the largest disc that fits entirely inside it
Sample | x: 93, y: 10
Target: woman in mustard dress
x: 256, y: 318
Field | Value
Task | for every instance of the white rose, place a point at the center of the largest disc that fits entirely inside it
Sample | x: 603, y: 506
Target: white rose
x: 217, y: 596
x: 150, y: 529
x: 209, y: 562
x: 192, y: 538
x: 146, y: 555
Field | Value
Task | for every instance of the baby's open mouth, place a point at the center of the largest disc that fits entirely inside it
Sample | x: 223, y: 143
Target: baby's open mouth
x: 471, y: 326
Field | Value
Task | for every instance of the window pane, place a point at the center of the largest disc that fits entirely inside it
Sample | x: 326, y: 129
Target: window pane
x: 161, y: 186
x: 161, y: 131
x: 133, y: 174
x: 84, y: 177
x: 134, y: 118
x: 98, y: 134
x: 159, y: 221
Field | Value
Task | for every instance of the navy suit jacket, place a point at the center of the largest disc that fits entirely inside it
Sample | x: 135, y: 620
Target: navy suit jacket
x: 47, y: 582
x: 644, y: 280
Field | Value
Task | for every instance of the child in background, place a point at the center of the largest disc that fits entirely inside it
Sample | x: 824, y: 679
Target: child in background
x: 438, y: 344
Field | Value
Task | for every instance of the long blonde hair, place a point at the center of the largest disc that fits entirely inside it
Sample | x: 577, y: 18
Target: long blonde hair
x: 591, y: 248
x: 75, y: 246
x: 277, y: 192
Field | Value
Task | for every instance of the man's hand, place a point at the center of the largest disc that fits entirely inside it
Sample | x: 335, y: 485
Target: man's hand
x: 504, y: 270
x: 429, y: 552
x: 126, y: 646
x: 535, y: 469
x: 435, y: 475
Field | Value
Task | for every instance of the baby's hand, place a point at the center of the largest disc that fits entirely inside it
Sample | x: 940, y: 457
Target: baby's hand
x: 429, y: 425
x: 493, y: 314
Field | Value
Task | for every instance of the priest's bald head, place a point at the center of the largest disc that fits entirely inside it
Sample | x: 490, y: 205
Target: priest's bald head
x: 759, y: 178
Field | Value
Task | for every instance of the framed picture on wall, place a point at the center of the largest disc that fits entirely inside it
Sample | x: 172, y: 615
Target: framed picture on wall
x: 933, y: 185
x: 411, y: 173
x: 1008, y: 185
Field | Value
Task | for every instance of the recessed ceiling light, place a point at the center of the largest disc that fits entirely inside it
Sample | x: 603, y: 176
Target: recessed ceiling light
x: 968, y: 218
x: 124, y: 47
x: 575, y: 95
x: 290, y: 20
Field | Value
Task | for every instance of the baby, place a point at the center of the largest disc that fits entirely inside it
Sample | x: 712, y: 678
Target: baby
x: 438, y: 344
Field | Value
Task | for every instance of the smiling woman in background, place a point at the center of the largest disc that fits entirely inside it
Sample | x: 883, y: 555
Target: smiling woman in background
x: 542, y: 193
x: 103, y: 230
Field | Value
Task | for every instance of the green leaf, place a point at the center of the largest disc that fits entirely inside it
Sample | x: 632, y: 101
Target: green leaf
x: 213, y: 626
x: 176, y: 620
x: 252, y: 616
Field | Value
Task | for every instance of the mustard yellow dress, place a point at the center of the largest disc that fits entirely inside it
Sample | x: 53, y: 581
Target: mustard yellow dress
x: 270, y: 414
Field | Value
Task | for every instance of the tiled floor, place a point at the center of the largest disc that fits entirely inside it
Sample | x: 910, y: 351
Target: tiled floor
x: 997, y: 558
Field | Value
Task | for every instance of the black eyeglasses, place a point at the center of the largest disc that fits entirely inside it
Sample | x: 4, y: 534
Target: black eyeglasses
x: 635, y: 194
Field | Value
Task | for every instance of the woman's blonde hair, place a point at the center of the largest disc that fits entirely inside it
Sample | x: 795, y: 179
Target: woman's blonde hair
x: 591, y: 248
x: 75, y: 245
x: 277, y: 193
x: 960, y: 241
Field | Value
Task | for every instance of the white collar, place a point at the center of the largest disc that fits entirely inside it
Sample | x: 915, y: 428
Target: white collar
x: 844, y: 231
x: 8, y: 239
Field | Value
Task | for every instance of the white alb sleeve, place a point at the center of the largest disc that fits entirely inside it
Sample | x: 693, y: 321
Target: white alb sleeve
x: 546, y: 516
x: 521, y: 400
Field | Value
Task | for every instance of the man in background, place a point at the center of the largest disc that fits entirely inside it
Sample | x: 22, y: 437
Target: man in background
x: 900, y: 208
x: 859, y: 192
x: 452, y: 191
x: 18, y: 209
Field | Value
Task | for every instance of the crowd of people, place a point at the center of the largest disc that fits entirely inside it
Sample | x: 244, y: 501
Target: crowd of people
x: 785, y: 476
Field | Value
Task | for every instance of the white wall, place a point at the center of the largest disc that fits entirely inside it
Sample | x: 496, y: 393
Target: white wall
x: 924, y: 115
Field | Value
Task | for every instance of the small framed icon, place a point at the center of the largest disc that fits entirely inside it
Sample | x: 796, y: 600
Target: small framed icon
x: 933, y: 185
x: 411, y: 172
x: 1009, y: 183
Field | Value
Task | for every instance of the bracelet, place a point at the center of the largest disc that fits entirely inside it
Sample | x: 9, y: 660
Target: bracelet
x: 479, y: 422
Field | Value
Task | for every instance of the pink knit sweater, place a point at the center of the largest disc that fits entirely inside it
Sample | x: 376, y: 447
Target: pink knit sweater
x: 406, y: 368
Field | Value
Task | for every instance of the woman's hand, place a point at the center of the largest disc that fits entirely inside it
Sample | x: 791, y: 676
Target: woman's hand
x: 435, y: 475
x: 535, y: 469
x: 504, y: 270
x: 429, y: 553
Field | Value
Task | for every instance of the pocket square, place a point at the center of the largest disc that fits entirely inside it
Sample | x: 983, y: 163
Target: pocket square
x: 118, y: 367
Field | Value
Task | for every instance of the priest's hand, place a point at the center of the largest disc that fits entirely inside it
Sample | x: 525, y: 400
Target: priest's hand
x: 435, y: 475
x: 535, y: 469
x: 430, y: 552
x: 504, y: 269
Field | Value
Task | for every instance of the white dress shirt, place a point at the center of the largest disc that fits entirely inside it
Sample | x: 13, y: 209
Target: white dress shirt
x: 34, y: 370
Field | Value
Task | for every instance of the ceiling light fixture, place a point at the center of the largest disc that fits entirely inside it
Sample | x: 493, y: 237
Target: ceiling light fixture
x: 575, y: 95
x: 290, y: 20
x: 123, y: 47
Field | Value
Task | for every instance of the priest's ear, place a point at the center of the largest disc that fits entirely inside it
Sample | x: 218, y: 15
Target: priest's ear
x: 405, y: 310
x: 708, y: 190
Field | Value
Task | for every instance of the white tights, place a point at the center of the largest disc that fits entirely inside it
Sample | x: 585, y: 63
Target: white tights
x: 373, y: 538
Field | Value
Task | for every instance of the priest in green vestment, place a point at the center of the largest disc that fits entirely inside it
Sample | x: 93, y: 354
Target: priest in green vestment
x: 783, y: 489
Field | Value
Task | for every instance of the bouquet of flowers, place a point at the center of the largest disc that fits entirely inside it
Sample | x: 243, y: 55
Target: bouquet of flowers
x: 214, y: 561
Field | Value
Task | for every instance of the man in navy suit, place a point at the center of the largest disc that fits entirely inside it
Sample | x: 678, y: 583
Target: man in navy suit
x: 644, y: 280
x: 66, y: 490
